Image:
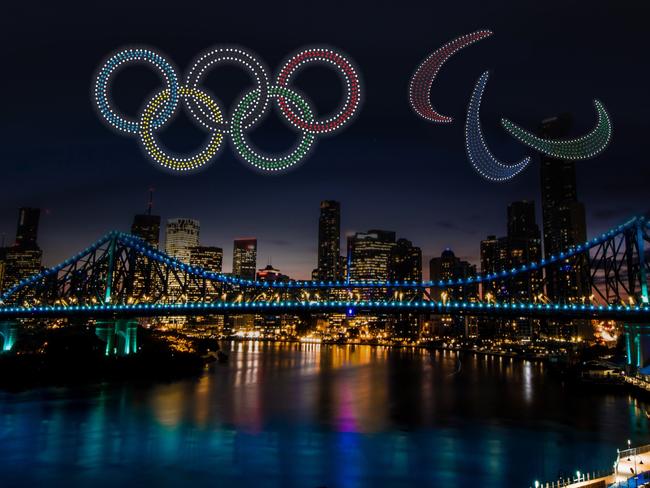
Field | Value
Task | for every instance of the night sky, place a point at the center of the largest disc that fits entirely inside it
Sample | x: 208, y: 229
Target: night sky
x: 390, y: 169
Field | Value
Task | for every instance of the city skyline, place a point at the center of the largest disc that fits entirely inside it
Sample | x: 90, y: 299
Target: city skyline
x: 286, y: 265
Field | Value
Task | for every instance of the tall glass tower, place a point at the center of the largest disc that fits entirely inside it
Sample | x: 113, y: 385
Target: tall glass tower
x: 329, y: 241
x: 244, y: 258
x: 182, y: 236
x: 563, y: 216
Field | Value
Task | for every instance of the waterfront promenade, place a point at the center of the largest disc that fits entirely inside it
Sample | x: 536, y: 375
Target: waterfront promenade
x: 631, y: 469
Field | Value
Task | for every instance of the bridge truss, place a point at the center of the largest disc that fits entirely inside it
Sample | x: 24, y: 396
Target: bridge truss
x: 122, y: 276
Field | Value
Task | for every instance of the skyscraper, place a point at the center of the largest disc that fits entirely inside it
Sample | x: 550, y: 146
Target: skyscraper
x: 208, y: 258
x: 369, y: 255
x: 406, y: 265
x: 3, y: 264
x: 329, y: 242
x: 449, y: 267
x: 524, y: 246
x: 147, y: 226
x: 406, y: 262
x: 24, y: 258
x: 563, y: 217
x: 521, y: 245
x: 181, y: 236
x: 492, y: 260
x: 27, y: 228
x: 244, y: 258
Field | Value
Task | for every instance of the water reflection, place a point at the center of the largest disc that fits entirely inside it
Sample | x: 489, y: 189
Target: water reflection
x: 309, y: 415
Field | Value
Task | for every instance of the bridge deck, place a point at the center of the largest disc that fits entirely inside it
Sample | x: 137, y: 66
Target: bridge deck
x: 629, y: 314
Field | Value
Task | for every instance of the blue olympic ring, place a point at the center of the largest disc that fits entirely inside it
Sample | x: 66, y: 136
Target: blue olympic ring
x: 129, y: 56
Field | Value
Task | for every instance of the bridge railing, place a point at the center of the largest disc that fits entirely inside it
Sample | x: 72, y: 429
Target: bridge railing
x: 634, y: 451
x: 580, y: 477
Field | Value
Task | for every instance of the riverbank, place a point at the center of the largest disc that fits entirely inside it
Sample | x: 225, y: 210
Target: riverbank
x: 77, y: 357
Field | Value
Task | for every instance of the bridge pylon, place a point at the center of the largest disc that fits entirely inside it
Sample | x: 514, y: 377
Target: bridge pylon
x: 634, y: 334
x: 120, y: 336
x: 8, y: 335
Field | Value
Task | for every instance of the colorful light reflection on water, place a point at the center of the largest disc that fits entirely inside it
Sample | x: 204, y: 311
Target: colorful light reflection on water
x: 310, y: 415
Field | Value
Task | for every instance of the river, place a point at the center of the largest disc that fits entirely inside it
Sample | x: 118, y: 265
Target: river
x: 311, y: 415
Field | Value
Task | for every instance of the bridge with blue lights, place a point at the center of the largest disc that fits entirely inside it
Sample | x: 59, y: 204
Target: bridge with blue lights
x: 120, y: 277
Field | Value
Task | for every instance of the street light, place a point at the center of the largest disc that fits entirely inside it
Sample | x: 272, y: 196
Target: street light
x: 636, y: 479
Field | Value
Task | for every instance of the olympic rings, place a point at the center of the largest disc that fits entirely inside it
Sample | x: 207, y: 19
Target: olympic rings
x: 246, y: 113
x: 150, y: 145
x: 130, y: 56
x: 352, y: 97
x: 268, y: 163
x: 232, y: 55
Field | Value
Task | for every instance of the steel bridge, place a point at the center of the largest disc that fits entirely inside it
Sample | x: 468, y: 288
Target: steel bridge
x: 120, y: 277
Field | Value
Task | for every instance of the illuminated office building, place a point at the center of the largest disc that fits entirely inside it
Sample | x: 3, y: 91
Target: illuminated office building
x: 208, y: 258
x: 524, y: 246
x: 370, y: 259
x: 406, y: 265
x: 27, y: 228
x: 564, y: 221
x: 181, y: 236
x: 244, y: 265
x: 3, y: 257
x: 369, y: 255
x: 406, y: 262
x: 449, y: 267
x: 244, y: 258
x: 147, y: 227
x: 329, y: 242
x: 24, y: 258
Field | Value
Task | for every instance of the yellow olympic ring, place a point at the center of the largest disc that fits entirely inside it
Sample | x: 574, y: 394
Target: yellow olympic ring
x: 150, y: 145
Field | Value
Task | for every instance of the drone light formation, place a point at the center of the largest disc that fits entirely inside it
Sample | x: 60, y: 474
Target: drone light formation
x: 233, y: 56
x: 205, y: 110
x: 585, y: 147
x: 422, y: 79
x: 271, y: 163
x: 134, y: 56
x: 158, y: 154
x: 478, y: 152
x: 352, y: 87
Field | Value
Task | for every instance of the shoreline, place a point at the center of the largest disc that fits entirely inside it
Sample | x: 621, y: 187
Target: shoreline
x: 39, y: 370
